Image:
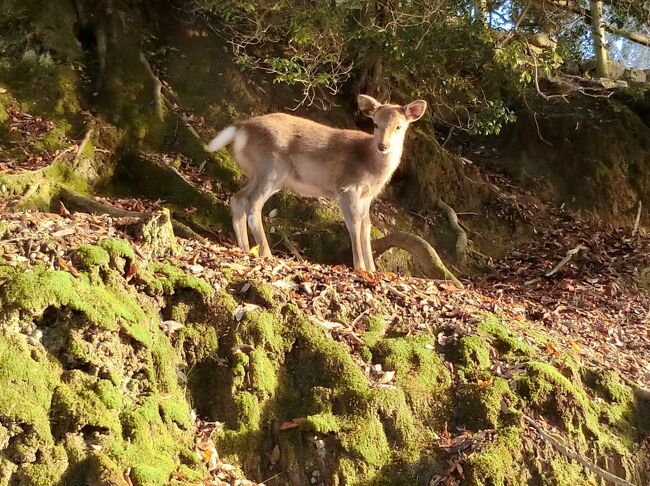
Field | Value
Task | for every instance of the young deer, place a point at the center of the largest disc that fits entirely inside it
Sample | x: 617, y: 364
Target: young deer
x: 278, y: 150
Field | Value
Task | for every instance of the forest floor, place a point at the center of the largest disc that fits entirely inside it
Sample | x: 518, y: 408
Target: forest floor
x: 582, y: 306
x: 575, y: 297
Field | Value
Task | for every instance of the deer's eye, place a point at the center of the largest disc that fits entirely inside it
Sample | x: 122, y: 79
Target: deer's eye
x: 398, y: 127
x: 376, y: 126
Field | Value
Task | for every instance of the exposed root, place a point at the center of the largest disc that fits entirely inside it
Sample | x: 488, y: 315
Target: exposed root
x: 423, y: 252
x: 88, y: 205
x: 82, y: 147
x: 583, y: 461
x: 461, y: 235
x: 157, y: 87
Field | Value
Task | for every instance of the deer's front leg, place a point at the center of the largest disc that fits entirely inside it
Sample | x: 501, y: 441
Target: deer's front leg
x: 353, y: 216
x: 366, y: 245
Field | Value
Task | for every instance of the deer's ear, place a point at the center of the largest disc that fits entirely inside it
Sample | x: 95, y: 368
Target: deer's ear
x: 415, y: 110
x: 368, y: 105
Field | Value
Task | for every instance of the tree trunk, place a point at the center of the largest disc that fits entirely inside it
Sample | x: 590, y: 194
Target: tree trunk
x: 598, y: 33
x: 482, y: 11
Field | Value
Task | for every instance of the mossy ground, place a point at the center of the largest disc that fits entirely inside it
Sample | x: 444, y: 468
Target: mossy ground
x: 271, y: 368
x: 101, y: 374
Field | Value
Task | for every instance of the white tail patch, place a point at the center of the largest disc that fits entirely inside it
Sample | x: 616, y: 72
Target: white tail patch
x: 223, y: 138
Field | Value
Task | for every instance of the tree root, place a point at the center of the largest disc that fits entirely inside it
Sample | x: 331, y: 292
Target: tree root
x: 423, y: 252
x: 157, y: 87
x: 461, y: 235
x: 88, y: 205
x: 583, y: 461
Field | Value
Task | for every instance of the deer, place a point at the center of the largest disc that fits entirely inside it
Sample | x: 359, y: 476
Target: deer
x: 278, y: 151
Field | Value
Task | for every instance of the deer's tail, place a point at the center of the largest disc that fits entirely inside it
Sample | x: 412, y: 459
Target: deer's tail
x: 223, y: 138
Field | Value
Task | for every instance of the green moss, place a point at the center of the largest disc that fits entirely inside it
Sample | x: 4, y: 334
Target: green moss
x: 264, y: 329
x: 568, y: 472
x: 479, y: 406
x: 248, y: 411
x: 44, y: 473
x: 263, y: 374
x: 323, y: 423
x: 143, y: 475
x: 27, y: 381
x: 419, y: 371
x: 472, y: 353
x: 503, y: 340
x: 117, y: 247
x: 109, y: 394
x: 92, y: 256
x: 152, y: 444
x: 264, y: 294
x: 180, y: 311
x: 366, y: 446
x: 56, y: 138
x: 198, y: 343
x: 39, y: 288
x: 174, y: 408
x: 551, y: 392
x: 168, y: 279
x: 76, y: 404
x: 5, y: 228
x: 375, y: 330
x: 401, y: 425
x: 499, y: 464
x: 332, y: 363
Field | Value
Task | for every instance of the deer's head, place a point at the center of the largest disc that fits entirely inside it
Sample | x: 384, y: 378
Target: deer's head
x: 391, y: 121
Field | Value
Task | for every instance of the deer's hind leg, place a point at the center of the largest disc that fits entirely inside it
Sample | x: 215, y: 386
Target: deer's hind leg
x: 240, y: 203
x: 263, y: 190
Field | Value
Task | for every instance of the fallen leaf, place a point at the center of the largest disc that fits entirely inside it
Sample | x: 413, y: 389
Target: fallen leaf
x: 63, y: 211
x: 132, y: 271
x: 172, y: 326
x: 576, y: 347
x: 484, y: 383
x: 291, y: 424
x: 64, y: 232
x: 68, y: 266
x: 550, y: 347
x: 255, y: 250
x: 274, y: 455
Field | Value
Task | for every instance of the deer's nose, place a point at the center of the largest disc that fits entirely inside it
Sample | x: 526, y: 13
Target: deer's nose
x: 382, y: 147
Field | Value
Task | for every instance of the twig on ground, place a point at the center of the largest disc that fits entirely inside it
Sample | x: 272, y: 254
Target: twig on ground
x: 565, y: 260
x: 638, y: 218
x: 157, y: 87
x: 288, y: 243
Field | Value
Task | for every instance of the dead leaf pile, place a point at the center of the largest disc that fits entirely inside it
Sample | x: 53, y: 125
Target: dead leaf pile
x: 594, y: 299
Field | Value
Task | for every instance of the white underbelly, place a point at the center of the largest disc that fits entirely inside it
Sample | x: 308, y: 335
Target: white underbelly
x: 307, y: 189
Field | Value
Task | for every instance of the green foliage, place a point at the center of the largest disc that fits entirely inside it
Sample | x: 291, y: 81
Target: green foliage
x: 415, y: 48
